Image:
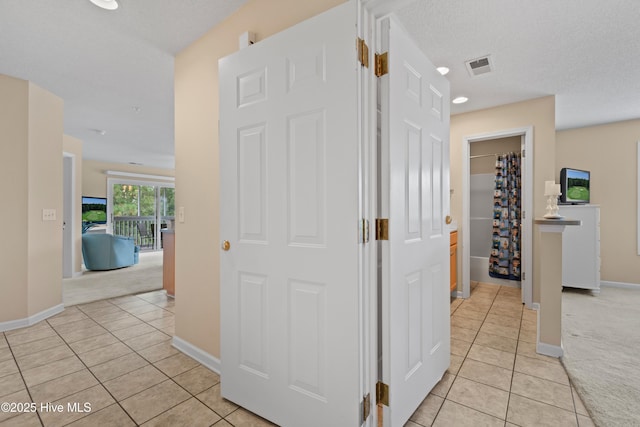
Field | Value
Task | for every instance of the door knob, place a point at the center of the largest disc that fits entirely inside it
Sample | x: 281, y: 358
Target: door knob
x: 448, y: 219
x: 226, y: 245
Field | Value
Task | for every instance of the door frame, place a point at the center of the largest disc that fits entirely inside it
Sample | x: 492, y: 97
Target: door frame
x: 372, y: 14
x: 526, y: 133
x: 68, y: 215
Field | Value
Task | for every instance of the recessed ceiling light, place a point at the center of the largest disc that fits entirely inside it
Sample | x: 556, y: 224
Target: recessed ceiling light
x: 460, y: 100
x: 100, y: 131
x: 443, y: 70
x: 106, y: 4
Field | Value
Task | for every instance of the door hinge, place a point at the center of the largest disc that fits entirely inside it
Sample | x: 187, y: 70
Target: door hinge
x: 364, y: 231
x: 524, y: 276
x: 382, y: 65
x: 366, y: 408
x: 382, y: 229
x: 363, y: 52
x: 524, y: 153
x: 382, y: 393
x: 524, y: 215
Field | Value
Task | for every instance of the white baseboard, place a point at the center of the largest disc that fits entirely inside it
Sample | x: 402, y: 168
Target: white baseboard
x: 604, y: 283
x: 549, y: 350
x: 31, y: 320
x: 535, y: 306
x: 544, y: 348
x: 198, y: 354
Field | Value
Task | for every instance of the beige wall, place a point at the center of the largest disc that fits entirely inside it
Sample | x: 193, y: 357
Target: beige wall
x: 45, y: 191
x: 539, y: 113
x: 492, y: 146
x: 14, y: 120
x: 31, y: 120
x: 73, y: 146
x: 196, y: 150
x: 610, y: 153
x: 94, y: 175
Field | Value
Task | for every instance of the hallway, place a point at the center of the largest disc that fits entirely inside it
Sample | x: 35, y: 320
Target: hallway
x: 117, y: 355
x: 496, y: 378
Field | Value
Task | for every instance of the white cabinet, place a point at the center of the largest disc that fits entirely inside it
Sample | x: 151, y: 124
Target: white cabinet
x: 581, y: 247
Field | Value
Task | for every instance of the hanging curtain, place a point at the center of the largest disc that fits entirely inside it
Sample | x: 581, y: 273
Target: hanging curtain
x: 504, y: 261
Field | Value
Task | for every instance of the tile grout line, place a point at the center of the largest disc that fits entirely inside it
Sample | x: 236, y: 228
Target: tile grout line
x: 26, y: 387
x: 191, y: 395
x: 92, y: 374
x: 75, y: 353
x: 126, y: 373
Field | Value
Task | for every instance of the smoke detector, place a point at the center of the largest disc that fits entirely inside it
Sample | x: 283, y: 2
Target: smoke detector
x: 479, y: 66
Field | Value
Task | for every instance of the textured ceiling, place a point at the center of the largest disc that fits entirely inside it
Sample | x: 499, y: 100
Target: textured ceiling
x: 586, y: 52
x: 105, y: 65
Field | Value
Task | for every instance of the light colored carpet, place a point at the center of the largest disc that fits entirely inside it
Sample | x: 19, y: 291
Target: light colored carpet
x: 601, y: 340
x: 96, y: 285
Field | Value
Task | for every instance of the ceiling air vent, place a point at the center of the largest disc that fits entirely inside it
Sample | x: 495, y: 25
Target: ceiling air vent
x: 479, y: 66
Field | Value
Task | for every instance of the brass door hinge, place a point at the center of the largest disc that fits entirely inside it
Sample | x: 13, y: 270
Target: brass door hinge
x: 366, y: 408
x: 382, y: 65
x: 382, y: 229
x: 382, y: 393
x: 364, y: 231
x: 363, y: 52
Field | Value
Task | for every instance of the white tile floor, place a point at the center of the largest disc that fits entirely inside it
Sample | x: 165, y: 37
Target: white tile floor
x: 496, y: 377
x: 117, y: 355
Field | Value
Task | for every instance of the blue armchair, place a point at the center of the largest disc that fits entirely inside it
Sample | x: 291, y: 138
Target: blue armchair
x: 108, y: 252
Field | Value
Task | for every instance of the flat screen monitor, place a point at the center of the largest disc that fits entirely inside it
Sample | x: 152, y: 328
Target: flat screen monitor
x: 575, y: 186
x: 94, y: 210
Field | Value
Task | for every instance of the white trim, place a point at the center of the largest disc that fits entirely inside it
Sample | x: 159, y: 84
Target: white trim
x: 209, y: 361
x: 549, y: 350
x: 140, y: 175
x: 638, y: 199
x: 535, y: 306
x: 621, y: 285
x: 527, y: 206
x: 72, y: 197
x: 31, y: 320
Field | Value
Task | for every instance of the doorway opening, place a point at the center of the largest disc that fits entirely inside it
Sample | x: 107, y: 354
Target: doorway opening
x: 141, y: 210
x: 479, y: 158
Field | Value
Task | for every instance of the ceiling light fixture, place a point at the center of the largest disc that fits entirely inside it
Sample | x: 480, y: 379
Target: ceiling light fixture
x: 460, y: 100
x: 443, y: 70
x: 106, y: 4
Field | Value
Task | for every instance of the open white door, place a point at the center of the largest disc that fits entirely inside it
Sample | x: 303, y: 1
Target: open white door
x: 289, y: 191
x: 415, y: 198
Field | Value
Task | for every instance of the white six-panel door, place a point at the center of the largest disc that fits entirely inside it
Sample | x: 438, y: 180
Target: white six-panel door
x: 415, y: 196
x: 289, y: 211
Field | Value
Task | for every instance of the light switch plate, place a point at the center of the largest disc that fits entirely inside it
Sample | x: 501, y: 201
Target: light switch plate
x: 48, y: 214
x: 181, y: 214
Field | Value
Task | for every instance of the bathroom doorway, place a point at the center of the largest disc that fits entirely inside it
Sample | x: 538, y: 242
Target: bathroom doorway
x: 479, y: 156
